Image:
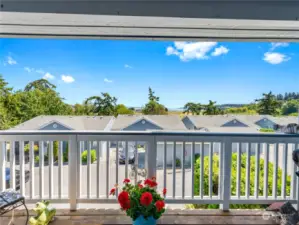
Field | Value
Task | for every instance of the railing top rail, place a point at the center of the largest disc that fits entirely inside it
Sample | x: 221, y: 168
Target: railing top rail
x: 149, y: 133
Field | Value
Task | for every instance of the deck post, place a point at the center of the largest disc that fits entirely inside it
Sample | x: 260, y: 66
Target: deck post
x: 151, y: 157
x: 73, y: 168
x: 2, y: 165
x: 226, y: 174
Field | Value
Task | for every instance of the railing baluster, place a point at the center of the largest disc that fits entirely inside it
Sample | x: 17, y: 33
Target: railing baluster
x: 126, y: 159
x: 201, y: 182
x: 297, y: 186
x: 183, y: 170
x: 211, y: 145
x: 12, y: 160
x: 50, y: 153
x: 79, y: 175
x: 192, y: 168
x: 41, y: 169
x: 284, y: 170
x: 32, y: 169
x: 174, y: 170
x: 238, y: 183
x: 22, y: 168
x: 107, y: 167
x: 220, y: 181
x: 275, y: 171
x: 116, y: 165
x: 99, y: 151
x: 257, y: 170
x: 89, y: 169
x: 266, y: 170
x: 164, y: 164
x: 60, y: 168
x: 136, y: 162
x: 247, y: 190
x: 293, y: 177
x: 2, y: 165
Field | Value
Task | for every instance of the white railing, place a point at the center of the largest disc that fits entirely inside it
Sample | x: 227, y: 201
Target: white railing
x: 65, y: 176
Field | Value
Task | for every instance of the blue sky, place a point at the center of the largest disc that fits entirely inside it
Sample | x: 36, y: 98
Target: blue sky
x: 226, y: 72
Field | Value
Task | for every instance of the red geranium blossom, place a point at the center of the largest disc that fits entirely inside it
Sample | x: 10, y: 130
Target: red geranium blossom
x: 125, y: 205
x: 150, y: 183
x: 164, y: 191
x: 146, y: 199
x: 112, y: 191
x: 126, y: 180
x: 160, y: 205
x: 140, y: 186
x: 153, y: 184
x: 123, y: 199
x: 154, y: 178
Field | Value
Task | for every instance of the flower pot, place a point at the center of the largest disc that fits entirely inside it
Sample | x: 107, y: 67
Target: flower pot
x: 142, y: 221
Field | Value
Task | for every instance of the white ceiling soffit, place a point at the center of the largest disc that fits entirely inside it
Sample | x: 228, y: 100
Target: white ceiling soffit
x: 49, y: 25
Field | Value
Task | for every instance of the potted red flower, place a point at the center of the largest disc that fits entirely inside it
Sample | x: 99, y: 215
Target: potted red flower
x: 141, y: 202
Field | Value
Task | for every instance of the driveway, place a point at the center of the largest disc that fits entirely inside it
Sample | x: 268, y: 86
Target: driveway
x: 102, y: 184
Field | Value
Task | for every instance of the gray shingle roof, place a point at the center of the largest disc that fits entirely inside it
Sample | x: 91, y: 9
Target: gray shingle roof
x: 166, y: 122
x: 217, y: 120
x: 230, y: 129
x: 73, y: 122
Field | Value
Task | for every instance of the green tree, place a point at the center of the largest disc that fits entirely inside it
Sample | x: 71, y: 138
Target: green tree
x: 153, y: 107
x: 290, y: 107
x: 240, y: 110
x: 151, y: 95
x: 268, y: 104
x: 212, y: 109
x: 193, y: 108
x: 83, y: 109
x: 123, y: 110
x: 102, y: 105
x: 41, y: 84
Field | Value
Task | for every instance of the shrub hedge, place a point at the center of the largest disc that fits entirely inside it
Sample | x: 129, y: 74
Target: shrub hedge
x: 93, y: 156
x: 234, y: 179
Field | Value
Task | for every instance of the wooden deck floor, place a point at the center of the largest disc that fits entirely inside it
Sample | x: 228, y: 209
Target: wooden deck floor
x: 97, y: 217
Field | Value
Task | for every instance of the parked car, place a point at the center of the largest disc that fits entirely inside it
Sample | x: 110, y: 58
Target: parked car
x: 17, y: 178
x: 122, y: 157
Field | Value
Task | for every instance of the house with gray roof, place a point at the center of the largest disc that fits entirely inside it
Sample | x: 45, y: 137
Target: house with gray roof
x: 219, y: 123
x: 80, y: 123
x: 95, y: 123
x: 148, y: 122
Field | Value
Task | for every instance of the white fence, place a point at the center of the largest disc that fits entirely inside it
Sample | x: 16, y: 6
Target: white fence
x: 66, y: 177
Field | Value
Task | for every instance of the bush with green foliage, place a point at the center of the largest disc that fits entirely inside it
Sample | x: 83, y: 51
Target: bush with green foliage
x: 178, y: 162
x: 27, y: 148
x: 93, y: 156
x: 215, y: 179
x: 267, y: 130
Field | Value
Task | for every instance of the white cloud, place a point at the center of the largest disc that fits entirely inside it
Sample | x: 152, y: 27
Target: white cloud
x: 275, y: 45
x: 191, y: 50
x: 67, y: 78
x: 40, y: 71
x: 10, y: 61
x: 48, y: 76
x: 275, y: 57
x: 128, y: 66
x: 107, y: 80
x: 28, y: 69
x: 220, y: 51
